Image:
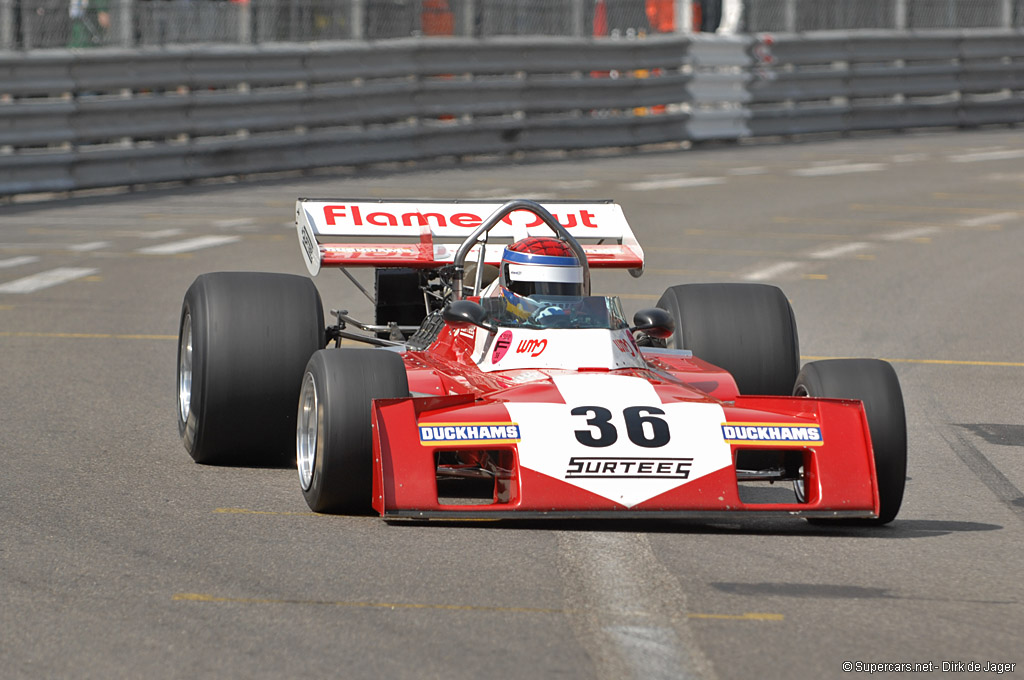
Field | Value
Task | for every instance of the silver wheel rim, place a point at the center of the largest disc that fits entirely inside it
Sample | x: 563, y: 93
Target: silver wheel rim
x: 307, y: 432
x: 799, y: 488
x: 185, y: 369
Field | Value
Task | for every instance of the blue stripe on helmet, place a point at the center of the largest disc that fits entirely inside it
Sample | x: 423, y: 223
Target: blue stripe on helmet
x: 537, y: 258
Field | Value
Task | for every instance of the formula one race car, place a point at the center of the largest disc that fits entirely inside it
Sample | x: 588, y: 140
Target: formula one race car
x: 495, y: 385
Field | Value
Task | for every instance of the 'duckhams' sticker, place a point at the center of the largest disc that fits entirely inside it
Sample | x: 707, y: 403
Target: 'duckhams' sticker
x: 501, y: 346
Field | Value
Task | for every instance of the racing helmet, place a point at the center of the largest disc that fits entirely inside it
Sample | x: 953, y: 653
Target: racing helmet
x: 541, y: 265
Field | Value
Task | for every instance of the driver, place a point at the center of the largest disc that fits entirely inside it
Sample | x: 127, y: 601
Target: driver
x: 539, y: 265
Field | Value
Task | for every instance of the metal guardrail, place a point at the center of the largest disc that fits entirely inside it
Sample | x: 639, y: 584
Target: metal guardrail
x: 844, y: 82
x: 74, y: 120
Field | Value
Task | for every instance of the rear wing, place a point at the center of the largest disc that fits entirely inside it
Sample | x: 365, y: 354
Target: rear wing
x: 416, y: 229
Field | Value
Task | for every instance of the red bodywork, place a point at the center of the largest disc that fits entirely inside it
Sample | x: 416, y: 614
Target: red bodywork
x: 838, y: 469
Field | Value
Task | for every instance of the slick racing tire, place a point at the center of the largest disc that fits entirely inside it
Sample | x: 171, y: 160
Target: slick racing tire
x: 243, y: 341
x: 333, y: 439
x: 747, y: 329
x: 874, y: 382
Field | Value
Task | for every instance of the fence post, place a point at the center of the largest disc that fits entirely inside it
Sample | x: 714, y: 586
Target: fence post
x: 576, y: 22
x: 244, y: 21
x: 1006, y: 14
x: 469, y: 18
x: 6, y: 24
x: 900, y: 15
x: 684, y: 16
x: 358, y: 19
x: 123, y: 34
x: 789, y: 16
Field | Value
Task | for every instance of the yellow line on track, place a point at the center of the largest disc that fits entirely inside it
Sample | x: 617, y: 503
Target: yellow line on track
x: 749, y: 616
x: 767, y: 234
x: 939, y: 362
x: 199, y: 597
x: 925, y: 208
x: 88, y: 336
x: 246, y: 511
x: 202, y: 597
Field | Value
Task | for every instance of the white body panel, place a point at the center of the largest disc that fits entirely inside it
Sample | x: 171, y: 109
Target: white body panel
x: 519, y: 348
x: 553, y: 440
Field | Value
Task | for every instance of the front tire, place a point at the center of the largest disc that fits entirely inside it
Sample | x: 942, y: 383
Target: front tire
x: 334, y: 439
x: 873, y: 382
x: 243, y: 340
x: 747, y: 329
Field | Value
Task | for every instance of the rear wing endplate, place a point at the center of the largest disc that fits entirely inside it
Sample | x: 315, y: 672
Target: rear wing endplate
x: 416, y: 227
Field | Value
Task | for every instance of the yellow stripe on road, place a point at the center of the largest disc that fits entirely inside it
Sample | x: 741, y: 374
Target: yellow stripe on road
x: 749, y: 616
x: 88, y: 336
x: 940, y: 362
x: 203, y: 597
x: 200, y: 597
x: 246, y: 511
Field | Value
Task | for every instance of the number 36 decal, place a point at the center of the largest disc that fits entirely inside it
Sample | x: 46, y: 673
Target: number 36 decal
x: 603, y: 433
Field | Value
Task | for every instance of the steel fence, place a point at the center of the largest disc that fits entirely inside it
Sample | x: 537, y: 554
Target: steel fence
x: 79, y: 119
x: 828, y: 15
x: 31, y: 24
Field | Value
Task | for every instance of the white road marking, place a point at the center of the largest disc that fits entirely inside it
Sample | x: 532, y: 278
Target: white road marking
x: 838, y: 250
x: 24, y: 246
x: 627, y: 609
x: 161, y: 233
x: 237, y: 222
x: 89, y: 247
x: 908, y: 234
x: 674, y: 183
x: 753, y: 170
x: 575, y: 184
x: 909, y: 157
x: 1003, y: 155
x: 18, y: 261
x: 496, y: 192
x: 846, y: 169
x: 1005, y: 176
x: 983, y: 220
x: 188, y: 245
x: 771, y: 271
x: 53, y: 277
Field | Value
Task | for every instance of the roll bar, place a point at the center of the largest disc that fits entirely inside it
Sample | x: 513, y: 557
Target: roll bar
x: 498, y: 215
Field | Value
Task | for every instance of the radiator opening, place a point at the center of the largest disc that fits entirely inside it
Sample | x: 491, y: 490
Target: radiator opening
x: 476, y: 477
x: 773, y: 476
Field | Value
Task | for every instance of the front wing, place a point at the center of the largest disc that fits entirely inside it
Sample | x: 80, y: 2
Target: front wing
x: 670, y: 459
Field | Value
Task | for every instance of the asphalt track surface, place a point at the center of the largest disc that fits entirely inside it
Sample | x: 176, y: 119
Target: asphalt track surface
x: 120, y: 557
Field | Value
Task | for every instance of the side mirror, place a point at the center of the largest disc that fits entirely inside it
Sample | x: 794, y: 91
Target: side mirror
x: 655, y: 322
x: 467, y: 313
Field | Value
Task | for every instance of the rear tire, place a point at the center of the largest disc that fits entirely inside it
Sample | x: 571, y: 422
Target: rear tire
x: 334, y: 439
x: 874, y: 382
x: 745, y: 328
x: 243, y: 340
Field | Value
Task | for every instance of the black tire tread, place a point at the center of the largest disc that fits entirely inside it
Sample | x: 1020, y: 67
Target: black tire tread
x: 747, y: 329
x: 874, y: 382
x: 252, y: 334
x: 347, y: 381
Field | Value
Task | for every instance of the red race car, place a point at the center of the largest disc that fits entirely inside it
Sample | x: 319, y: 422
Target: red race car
x: 495, y: 385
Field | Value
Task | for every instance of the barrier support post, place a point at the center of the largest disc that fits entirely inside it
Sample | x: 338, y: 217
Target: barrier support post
x: 124, y: 35
x: 6, y: 24
x: 357, y: 19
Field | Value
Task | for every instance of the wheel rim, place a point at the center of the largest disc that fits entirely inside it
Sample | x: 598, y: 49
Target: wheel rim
x: 307, y: 432
x: 185, y: 369
x: 800, y: 487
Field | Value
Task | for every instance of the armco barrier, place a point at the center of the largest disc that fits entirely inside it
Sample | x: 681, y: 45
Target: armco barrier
x: 843, y: 82
x: 110, y: 117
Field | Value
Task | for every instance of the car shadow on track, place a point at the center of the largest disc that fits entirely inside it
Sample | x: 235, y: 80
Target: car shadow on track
x: 898, y: 529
